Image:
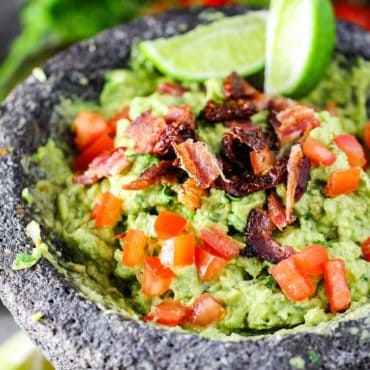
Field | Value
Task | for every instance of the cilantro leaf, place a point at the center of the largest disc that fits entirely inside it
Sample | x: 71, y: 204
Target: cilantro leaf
x: 24, y: 261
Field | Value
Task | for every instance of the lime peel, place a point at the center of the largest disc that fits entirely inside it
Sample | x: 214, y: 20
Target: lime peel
x: 300, y: 43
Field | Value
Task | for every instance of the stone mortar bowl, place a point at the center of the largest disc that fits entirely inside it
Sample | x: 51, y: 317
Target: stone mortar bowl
x: 75, y: 333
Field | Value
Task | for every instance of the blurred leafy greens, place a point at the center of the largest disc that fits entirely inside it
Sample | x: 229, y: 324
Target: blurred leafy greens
x: 48, y: 25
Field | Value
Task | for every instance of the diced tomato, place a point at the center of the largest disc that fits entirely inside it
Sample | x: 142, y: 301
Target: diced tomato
x: 112, y: 122
x: 107, y: 210
x: 343, y: 182
x: 336, y: 285
x: 168, y: 312
x: 353, y: 149
x: 89, y: 126
x: 169, y: 224
x: 209, y: 267
x: 310, y: 261
x: 218, y: 243
x: 134, y: 245
x: 276, y: 211
x: 365, y: 248
x: 359, y: 14
x: 157, y: 278
x: 317, y: 153
x: 206, y: 310
x: 262, y: 161
x: 367, y: 134
x: 103, y: 144
x: 294, y: 285
x: 178, y: 251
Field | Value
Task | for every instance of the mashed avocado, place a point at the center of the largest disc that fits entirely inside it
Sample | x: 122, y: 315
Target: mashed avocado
x: 255, y: 304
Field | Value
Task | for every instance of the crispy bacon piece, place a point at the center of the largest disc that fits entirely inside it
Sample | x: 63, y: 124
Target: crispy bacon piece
x: 295, y: 158
x: 238, y: 144
x: 190, y: 194
x: 245, y: 125
x: 303, y: 178
x: 260, y: 241
x: 145, y: 131
x: 199, y: 163
x: 276, y: 211
x: 181, y: 126
x: 236, y: 87
x: 163, y: 172
x: 181, y: 114
x: 296, y: 121
x: 275, y: 106
x: 239, y: 186
x: 171, y: 88
x: 155, y: 135
x: 105, y: 165
x: 233, y: 109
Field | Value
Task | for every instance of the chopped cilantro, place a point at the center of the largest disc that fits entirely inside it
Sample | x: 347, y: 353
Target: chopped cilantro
x: 270, y: 282
x: 314, y: 357
x: 24, y: 261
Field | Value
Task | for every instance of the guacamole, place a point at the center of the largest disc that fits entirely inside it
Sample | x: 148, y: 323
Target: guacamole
x: 68, y: 199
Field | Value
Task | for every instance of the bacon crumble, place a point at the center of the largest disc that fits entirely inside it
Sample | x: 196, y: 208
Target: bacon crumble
x: 199, y: 163
x: 233, y: 109
x: 295, y: 157
x: 245, y: 147
x: 239, y: 186
x: 236, y: 87
x: 163, y: 172
x: 172, y: 88
x: 105, y: 165
x: 260, y: 241
x: 296, y: 121
x: 190, y: 194
x: 145, y: 131
x: 275, y: 210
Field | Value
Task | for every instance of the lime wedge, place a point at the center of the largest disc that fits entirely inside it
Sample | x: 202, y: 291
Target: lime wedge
x: 214, y: 50
x: 300, y: 42
x: 19, y: 353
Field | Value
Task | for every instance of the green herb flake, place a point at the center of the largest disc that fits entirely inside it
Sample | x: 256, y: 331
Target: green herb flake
x: 24, y: 261
x: 38, y: 316
x: 297, y: 362
x: 314, y: 357
x: 270, y: 282
x: 27, y: 196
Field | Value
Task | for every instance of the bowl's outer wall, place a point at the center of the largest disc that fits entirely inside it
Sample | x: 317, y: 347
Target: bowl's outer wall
x: 74, y: 333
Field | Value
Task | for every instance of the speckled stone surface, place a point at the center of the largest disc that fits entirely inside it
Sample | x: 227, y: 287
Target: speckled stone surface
x: 75, y: 334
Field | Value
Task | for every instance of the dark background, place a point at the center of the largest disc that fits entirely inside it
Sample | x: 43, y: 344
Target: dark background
x: 9, y: 25
x: 9, y: 28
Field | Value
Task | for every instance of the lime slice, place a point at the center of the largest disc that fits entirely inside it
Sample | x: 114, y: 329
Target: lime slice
x: 214, y: 50
x: 19, y: 353
x: 300, y: 43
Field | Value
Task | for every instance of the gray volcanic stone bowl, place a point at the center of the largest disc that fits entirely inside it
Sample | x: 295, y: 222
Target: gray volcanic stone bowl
x: 75, y: 333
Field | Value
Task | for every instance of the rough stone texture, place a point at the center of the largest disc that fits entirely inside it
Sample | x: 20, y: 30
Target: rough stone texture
x: 75, y: 334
